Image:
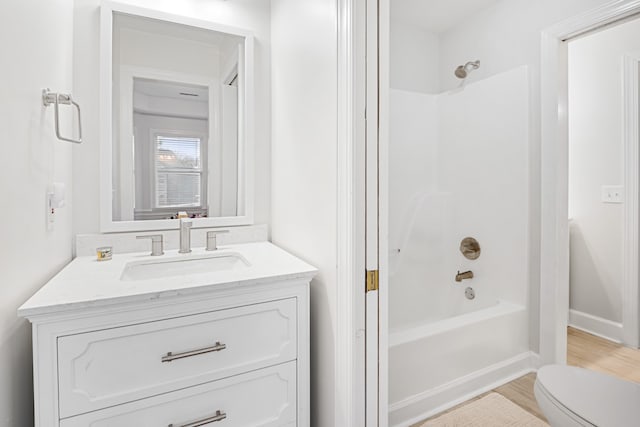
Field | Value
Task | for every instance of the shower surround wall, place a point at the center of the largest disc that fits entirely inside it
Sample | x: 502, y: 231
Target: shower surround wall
x: 458, y: 168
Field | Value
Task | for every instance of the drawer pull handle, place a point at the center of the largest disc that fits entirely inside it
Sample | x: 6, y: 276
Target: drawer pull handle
x: 219, y: 416
x: 171, y: 357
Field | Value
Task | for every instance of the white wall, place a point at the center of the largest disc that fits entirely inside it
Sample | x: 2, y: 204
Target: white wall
x: 36, y: 45
x: 595, y: 159
x: 505, y: 36
x: 162, y: 52
x: 248, y: 14
x: 414, y: 57
x: 303, y: 187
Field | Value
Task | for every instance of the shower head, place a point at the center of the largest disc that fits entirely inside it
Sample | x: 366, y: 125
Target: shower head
x: 463, y: 70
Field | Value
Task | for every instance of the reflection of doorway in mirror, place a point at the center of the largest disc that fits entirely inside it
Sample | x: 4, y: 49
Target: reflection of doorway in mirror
x: 171, y: 126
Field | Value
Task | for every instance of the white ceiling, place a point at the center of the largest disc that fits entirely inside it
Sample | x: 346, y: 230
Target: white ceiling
x: 166, y: 89
x: 436, y: 16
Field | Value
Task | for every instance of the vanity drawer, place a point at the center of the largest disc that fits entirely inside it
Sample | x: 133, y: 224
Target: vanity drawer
x: 113, y: 366
x: 266, y: 397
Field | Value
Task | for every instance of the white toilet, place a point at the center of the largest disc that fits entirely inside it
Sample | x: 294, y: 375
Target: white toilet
x: 570, y: 396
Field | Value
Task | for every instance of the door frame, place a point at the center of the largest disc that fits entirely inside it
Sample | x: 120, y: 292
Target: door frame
x: 383, y: 61
x: 350, y: 356
x: 554, y: 243
x: 631, y: 250
x: 361, y: 352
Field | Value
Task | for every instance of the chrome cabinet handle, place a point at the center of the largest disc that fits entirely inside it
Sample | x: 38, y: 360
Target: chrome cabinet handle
x: 219, y: 416
x: 171, y: 357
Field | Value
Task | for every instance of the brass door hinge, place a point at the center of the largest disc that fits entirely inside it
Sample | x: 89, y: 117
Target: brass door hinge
x: 372, y: 280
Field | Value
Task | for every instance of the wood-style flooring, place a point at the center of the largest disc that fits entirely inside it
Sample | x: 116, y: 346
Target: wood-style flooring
x: 584, y: 350
x: 598, y: 354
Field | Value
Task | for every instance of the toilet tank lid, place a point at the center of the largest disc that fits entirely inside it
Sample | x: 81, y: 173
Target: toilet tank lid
x: 601, y: 399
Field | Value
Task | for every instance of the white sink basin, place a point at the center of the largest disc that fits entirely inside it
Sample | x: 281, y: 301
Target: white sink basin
x: 184, y: 265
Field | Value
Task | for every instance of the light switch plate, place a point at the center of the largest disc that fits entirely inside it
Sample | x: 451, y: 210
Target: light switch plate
x: 612, y: 193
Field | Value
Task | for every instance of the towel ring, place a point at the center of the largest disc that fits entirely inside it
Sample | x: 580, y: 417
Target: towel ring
x: 56, y: 99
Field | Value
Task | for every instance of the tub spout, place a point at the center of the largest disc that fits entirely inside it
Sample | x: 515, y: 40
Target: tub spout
x: 464, y: 275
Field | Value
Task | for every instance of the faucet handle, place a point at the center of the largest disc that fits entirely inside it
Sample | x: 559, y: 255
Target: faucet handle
x: 156, y: 243
x: 212, y: 239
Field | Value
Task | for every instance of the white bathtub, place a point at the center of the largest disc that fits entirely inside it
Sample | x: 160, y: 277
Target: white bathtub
x: 429, y: 313
x: 435, y: 364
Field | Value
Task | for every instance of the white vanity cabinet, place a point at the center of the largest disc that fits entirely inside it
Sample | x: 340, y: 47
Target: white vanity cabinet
x: 208, y: 351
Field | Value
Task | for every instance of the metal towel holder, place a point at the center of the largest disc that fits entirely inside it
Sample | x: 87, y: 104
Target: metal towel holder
x: 56, y: 99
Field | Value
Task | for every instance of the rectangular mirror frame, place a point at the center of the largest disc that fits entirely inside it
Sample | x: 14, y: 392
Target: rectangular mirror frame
x: 245, y: 131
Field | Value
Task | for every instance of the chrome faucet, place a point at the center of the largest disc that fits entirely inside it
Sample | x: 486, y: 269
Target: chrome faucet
x: 185, y: 236
x: 464, y: 275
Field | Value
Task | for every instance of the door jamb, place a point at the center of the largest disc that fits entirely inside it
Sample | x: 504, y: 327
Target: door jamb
x: 631, y: 114
x: 349, y: 401
x: 384, y: 14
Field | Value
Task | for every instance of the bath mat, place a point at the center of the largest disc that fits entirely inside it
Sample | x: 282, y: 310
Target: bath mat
x: 493, y: 410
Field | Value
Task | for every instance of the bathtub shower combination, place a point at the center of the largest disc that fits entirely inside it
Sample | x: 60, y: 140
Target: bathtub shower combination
x: 458, y: 167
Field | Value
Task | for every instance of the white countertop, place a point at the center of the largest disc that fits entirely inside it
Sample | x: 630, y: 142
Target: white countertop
x: 86, y: 282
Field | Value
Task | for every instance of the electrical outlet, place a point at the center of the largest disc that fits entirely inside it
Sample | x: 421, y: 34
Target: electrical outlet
x: 55, y: 200
x: 612, y: 193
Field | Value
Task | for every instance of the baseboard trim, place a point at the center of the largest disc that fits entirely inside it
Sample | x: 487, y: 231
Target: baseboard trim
x: 597, y: 326
x: 427, y: 404
x: 536, y: 362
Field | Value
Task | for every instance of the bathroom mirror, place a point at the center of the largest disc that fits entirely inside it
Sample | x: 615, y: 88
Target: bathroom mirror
x: 176, y: 121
